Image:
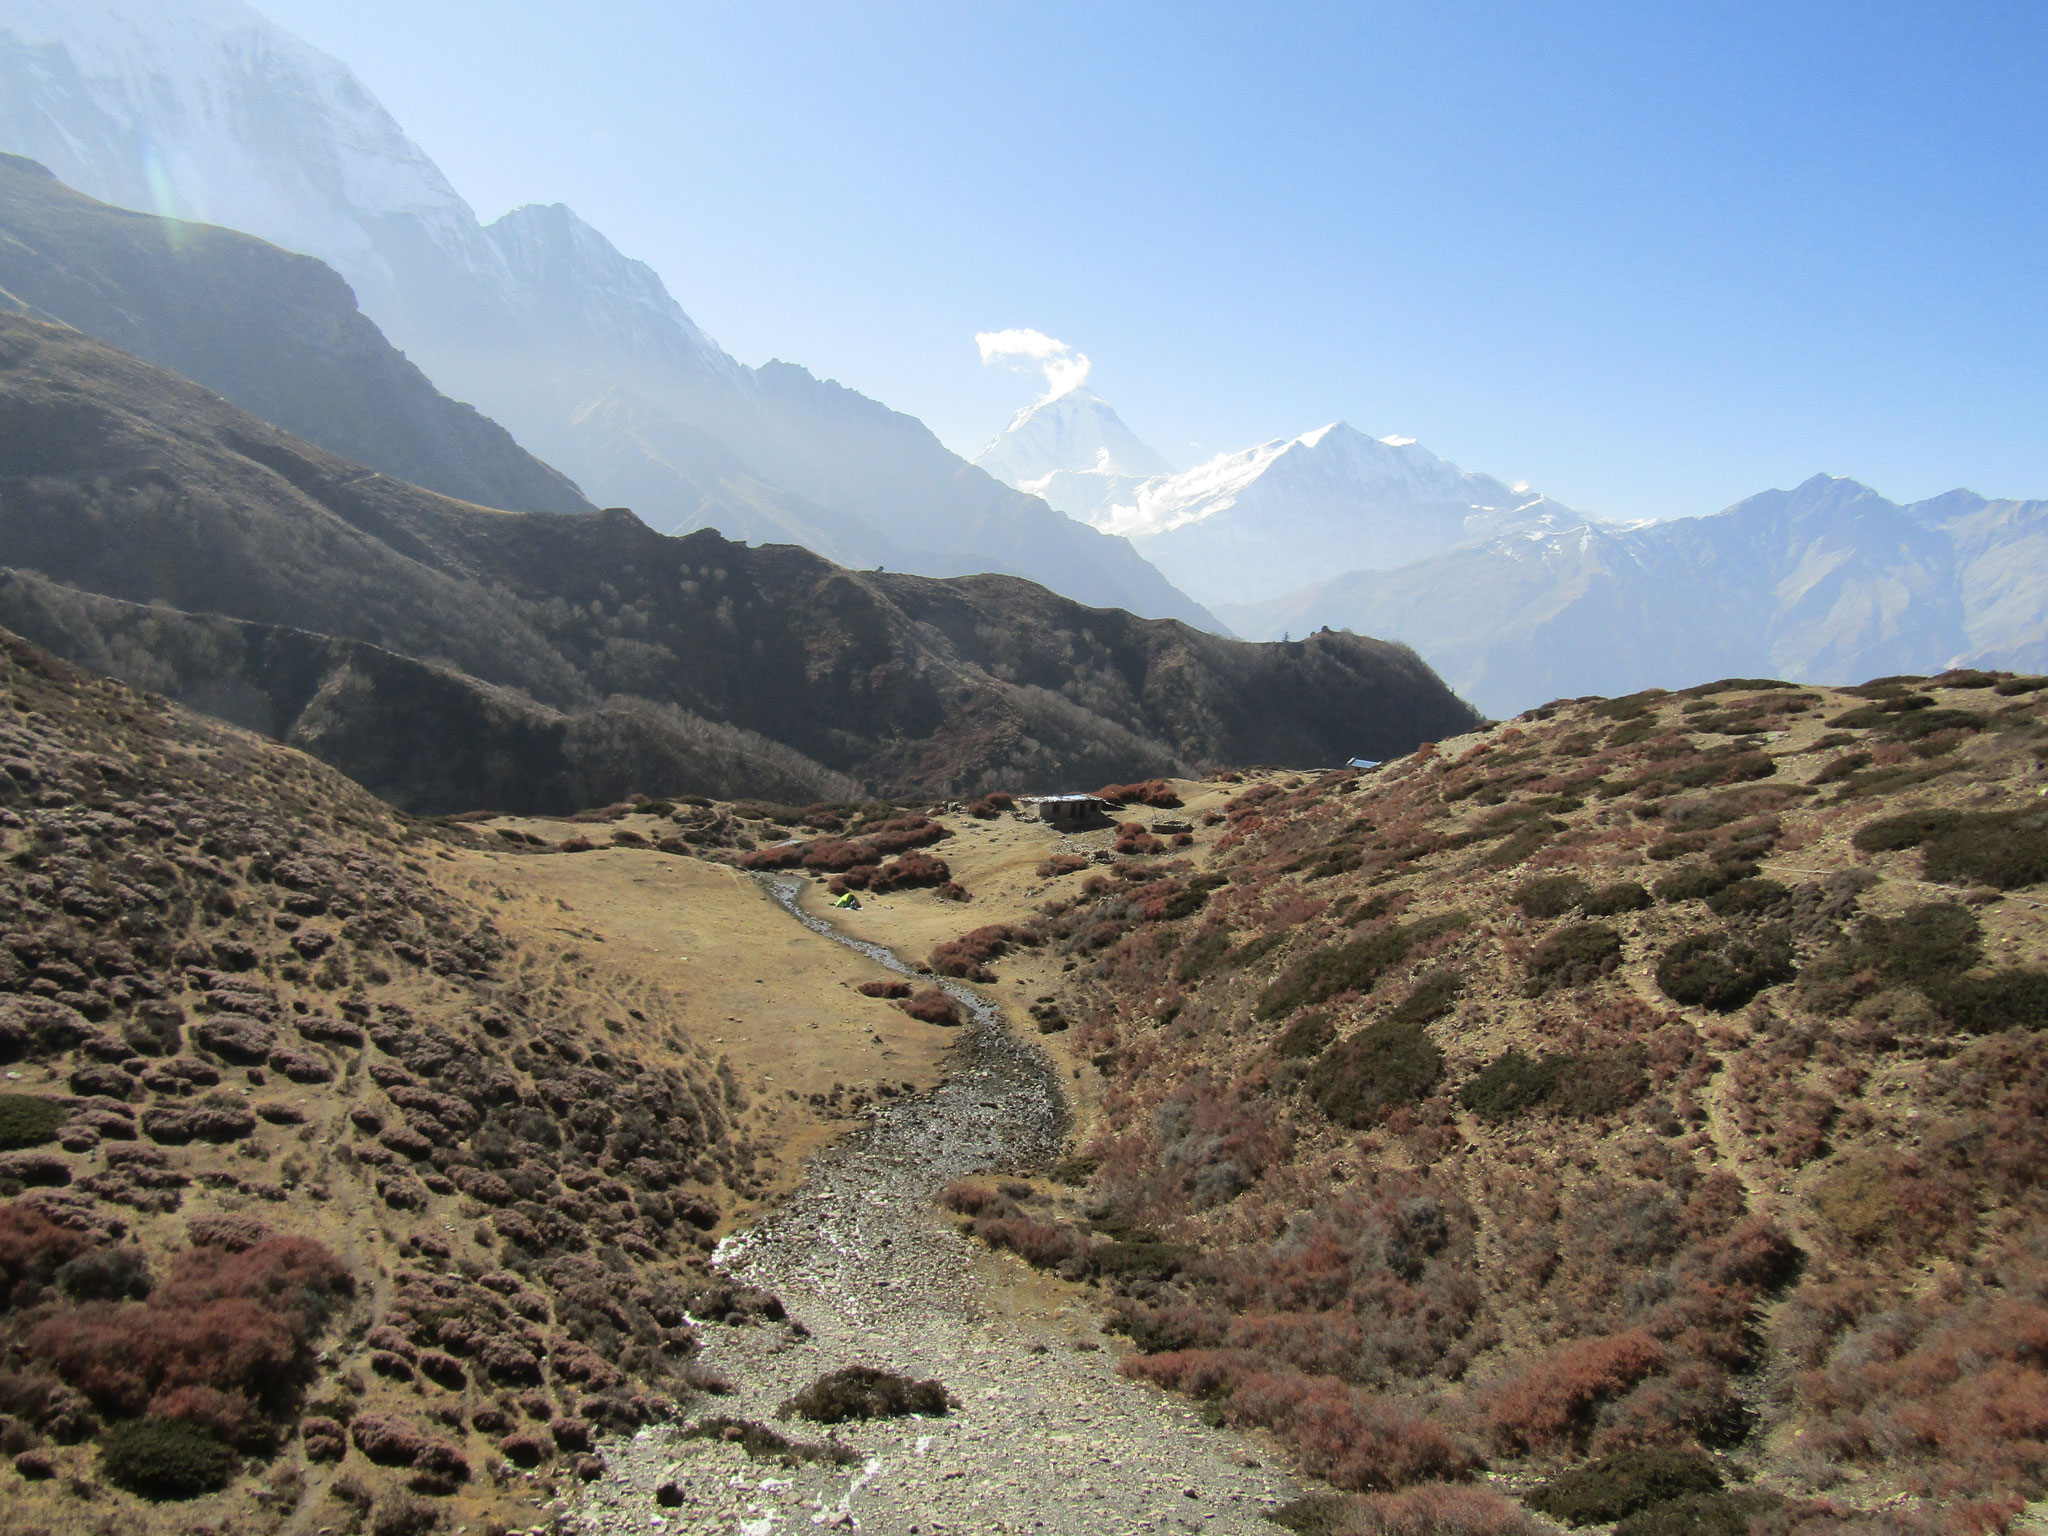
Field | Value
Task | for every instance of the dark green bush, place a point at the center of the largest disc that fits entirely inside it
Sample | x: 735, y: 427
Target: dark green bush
x: 1552, y: 895
x: 1360, y: 1079
x: 1895, y: 686
x: 1599, y: 1083
x: 1629, y: 732
x: 1320, y: 975
x: 1510, y: 1084
x: 2007, y: 999
x: 1582, y: 1086
x: 1617, y: 1486
x: 862, y: 1392
x: 165, y: 1458
x: 1139, y: 1258
x: 28, y: 1121
x: 1253, y: 950
x: 1909, y: 829
x: 1574, y: 956
x: 1431, y: 997
x: 1726, y: 1512
x: 1202, y: 954
x: 1371, y: 910
x: 1723, y: 971
x: 2014, y: 686
x: 1925, y: 942
x: 1882, y: 713
x: 1306, y: 1036
x: 106, y: 1274
x: 1926, y: 722
x: 1621, y: 896
x: 1845, y: 766
x: 1693, y: 882
x: 765, y: 1444
x: 1751, y: 898
x: 1630, y: 707
x: 2004, y: 849
x: 1317, y: 1514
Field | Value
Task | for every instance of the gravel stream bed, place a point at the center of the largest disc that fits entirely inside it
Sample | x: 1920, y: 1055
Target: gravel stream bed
x: 1047, y: 1436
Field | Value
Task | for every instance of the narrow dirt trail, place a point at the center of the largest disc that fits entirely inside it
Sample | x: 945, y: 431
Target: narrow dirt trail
x: 1047, y: 1436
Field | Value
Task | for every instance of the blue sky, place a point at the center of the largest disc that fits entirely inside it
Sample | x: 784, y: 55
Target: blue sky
x: 1650, y: 258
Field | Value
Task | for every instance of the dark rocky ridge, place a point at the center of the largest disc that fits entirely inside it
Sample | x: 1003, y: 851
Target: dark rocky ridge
x: 119, y: 479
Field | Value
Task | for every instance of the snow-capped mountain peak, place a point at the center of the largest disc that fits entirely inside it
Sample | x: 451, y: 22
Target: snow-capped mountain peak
x: 1076, y: 431
x: 1283, y: 513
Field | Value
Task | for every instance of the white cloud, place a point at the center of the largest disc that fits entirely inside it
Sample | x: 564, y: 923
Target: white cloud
x: 1028, y: 351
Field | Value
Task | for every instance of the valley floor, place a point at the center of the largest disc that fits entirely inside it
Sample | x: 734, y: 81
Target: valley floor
x: 1047, y: 1435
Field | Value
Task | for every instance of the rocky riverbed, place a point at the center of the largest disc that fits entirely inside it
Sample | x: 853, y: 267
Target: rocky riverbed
x: 1047, y: 1436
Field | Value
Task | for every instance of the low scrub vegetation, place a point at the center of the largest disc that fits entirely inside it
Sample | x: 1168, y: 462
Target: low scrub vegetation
x: 1615, y: 1487
x: 1498, y: 1172
x: 863, y: 1392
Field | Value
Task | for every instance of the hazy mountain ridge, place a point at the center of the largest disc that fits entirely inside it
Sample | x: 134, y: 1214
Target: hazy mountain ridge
x: 1820, y: 583
x: 577, y: 349
x: 276, y: 333
x: 119, y: 479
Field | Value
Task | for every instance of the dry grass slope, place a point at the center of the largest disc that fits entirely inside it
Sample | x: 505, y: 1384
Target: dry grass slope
x: 320, y: 1189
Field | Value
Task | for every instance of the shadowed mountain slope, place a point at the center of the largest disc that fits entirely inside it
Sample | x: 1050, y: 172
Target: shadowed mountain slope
x: 119, y: 479
x: 278, y: 334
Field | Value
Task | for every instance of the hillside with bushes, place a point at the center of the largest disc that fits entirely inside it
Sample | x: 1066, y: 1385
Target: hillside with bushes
x: 320, y: 1196
x: 561, y: 660
x: 1632, y: 1112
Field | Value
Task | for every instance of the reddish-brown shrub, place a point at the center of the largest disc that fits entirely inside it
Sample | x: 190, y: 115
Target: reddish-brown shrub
x: 235, y: 1233
x: 990, y: 806
x: 1552, y: 1402
x: 890, y: 989
x: 1061, y: 864
x: 239, y: 1323
x: 388, y: 1442
x: 1948, y: 1398
x: 1356, y: 1440
x: 323, y: 1438
x: 971, y: 1199
x: 1440, y: 1509
x: 121, y: 1355
x: 32, y: 1248
x: 1133, y: 840
x: 1043, y: 1244
x: 909, y: 872
x: 294, y: 1276
x: 229, y: 1415
x: 1152, y: 792
x: 931, y: 1006
x: 968, y: 955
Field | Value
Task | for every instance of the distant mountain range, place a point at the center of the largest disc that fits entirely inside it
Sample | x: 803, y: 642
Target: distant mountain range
x: 1254, y: 526
x: 204, y: 109
x: 1824, y: 582
x: 1519, y: 599
x: 586, y: 363
x: 451, y: 656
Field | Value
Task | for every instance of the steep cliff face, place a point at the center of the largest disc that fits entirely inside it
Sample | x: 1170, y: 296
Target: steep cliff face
x: 278, y: 334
